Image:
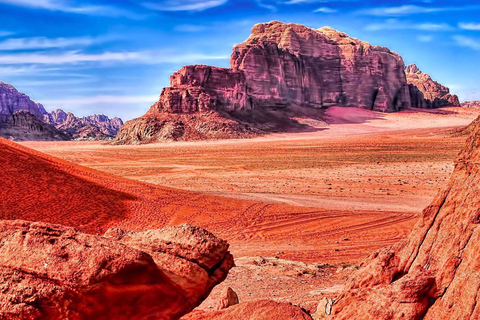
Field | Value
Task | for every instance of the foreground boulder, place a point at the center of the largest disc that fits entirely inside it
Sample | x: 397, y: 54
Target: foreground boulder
x: 192, y: 258
x: 435, y: 272
x: 55, y: 272
x: 281, y: 71
x: 255, y: 310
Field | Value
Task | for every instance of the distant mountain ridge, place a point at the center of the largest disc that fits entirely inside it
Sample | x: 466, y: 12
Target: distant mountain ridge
x: 57, y: 125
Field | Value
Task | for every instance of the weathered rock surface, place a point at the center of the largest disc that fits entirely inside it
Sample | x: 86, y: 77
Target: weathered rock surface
x: 280, y: 71
x: 427, y: 93
x: 22, y: 125
x: 435, y: 272
x: 256, y: 310
x: 229, y: 298
x: 193, y: 259
x: 55, y: 272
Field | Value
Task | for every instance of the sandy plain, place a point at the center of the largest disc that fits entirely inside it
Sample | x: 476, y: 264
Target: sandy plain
x: 332, y: 195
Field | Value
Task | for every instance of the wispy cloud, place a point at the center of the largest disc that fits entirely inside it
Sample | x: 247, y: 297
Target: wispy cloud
x: 47, y: 43
x: 184, y: 5
x: 425, y: 38
x: 74, y: 57
x: 190, y: 28
x: 66, y: 6
x: 469, y: 26
x: 325, y: 10
x: 467, y: 42
x: 411, y: 9
x: 394, y: 24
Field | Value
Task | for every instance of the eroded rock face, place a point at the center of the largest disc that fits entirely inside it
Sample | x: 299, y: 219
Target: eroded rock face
x: 12, y: 101
x: 281, y: 70
x: 22, y: 125
x: 435, y: 272
x: 55, y: 272
x: 256, y: 310
x: 471, y: 104
x: 427, y: 93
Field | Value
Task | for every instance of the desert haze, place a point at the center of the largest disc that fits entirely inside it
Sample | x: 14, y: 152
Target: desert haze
x: 312, y: 175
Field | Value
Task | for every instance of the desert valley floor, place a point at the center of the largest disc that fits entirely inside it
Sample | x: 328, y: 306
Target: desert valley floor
x: 328, y: 197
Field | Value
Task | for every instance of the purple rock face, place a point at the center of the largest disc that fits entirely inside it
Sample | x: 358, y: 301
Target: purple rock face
x: 12, y: 101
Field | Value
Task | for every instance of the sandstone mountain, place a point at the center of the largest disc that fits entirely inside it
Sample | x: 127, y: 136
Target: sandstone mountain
x: 435, y: 272
x: 280, y: 72
x: 42, y: 125
x: 56, y: 272
x: 427, y: 93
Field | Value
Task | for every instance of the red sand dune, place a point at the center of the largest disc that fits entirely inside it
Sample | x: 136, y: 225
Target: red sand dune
x: 38, y: 187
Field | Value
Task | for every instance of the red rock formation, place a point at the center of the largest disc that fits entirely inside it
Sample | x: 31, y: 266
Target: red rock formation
x: 281, y: 70
x: 427, y: 93
x: 256, y: 310
x: 435, y: 272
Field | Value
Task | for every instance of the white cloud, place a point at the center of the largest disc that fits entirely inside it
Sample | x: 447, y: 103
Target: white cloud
x: 190, y: 28
x: 184, y: 5
x: 45, y: 43
x: 467, y: 42
x: 325, y: 10
x: 394, y: 24
x: 469, y: 26
x: 73, y: 57
x: 411, y: 9
x: 66, y: 6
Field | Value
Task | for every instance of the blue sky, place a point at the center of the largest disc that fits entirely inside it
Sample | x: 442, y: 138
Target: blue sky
x: 114, y: 57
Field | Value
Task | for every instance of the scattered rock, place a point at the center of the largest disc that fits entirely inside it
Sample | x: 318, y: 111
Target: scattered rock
x: 229, y: 298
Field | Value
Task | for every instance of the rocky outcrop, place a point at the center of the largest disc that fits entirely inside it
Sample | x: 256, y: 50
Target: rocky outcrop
x: 280, y: 71
x: 193, y: 259
x: 55, y: 272
x: 255, y: 310
x: 94, y: 127
x: 22, y: 125
x: 434, y: 273
x: 427, y: 93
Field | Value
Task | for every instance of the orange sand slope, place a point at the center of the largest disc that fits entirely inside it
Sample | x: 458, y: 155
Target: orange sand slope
x: 39, y: 187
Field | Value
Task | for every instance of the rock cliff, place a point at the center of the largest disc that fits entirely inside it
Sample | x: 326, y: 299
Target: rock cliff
x: 435, y: 272
x: 280, y: 71
x: 56, y: 272
x: 471, y: 104
x: 427, y: 93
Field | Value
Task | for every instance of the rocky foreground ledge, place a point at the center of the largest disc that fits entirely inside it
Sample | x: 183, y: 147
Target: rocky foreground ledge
x: 55, y: 272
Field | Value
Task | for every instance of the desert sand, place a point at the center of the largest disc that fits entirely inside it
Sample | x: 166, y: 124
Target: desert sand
x: 332, y: 195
